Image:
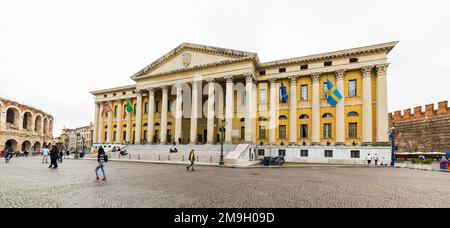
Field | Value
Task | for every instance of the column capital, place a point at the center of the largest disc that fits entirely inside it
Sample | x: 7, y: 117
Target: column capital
x: 151, y: 91
x: 229, y: 79
x: 273, y: 81
x: 165, y: 89
x: 248, y: 77
x: 210, y: 80
x: 366, y: 71
x: 382, y: 69
x: 293, y: 80
x: 340, y: 74
x: 316, y: 77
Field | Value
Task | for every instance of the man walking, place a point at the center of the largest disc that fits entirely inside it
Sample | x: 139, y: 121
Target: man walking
x: 192, y: 159
x: 54, y: 154
x: 369, y: 159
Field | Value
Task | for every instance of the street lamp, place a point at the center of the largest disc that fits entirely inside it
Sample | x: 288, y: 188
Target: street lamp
x: 392, y: 138
x: 222, y: 134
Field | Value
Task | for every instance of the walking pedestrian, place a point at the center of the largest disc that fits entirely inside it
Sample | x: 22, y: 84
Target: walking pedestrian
x: 54, y: 155
x: 192, y: 159
x: 45, y: 153
x: 61, y: 155
x: 375, y: 159
x: 102, y: 159
x: 369, y: 159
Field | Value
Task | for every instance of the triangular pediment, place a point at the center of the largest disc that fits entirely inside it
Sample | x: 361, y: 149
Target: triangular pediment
x: 189, y: 56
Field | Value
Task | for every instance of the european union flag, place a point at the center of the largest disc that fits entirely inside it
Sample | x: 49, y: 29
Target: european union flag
x: 334, y: 96
x: 283, y: 94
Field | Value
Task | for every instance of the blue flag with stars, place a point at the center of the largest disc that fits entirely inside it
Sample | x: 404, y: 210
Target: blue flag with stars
x: 283, y: 94
x: 334, y: 96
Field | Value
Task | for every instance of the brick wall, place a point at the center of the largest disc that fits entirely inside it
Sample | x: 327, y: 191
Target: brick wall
x: 424, y: 129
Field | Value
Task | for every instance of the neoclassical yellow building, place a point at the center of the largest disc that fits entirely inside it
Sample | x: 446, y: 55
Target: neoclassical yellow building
x: 187, y: 95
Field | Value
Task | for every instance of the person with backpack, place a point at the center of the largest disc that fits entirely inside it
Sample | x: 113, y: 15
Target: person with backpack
x: 192, y: 159
x: 102, y: 159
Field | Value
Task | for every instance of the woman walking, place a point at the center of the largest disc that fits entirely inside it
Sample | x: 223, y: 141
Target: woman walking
x: 102, y: 159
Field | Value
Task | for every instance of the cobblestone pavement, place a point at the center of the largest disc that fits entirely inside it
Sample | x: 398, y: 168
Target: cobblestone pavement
x: 25, y: 182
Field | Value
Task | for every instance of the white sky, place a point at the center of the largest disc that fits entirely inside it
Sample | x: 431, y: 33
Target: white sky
x: 53, y: 52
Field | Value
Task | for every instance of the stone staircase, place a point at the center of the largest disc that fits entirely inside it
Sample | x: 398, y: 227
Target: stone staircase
x: 204, y: 153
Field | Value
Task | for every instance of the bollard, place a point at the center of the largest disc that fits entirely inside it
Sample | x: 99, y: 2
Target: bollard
x: 211, y: 159
x: 168, y: 157
x: 129, y: 156
x: 159, y: 157
x: 198, y: 158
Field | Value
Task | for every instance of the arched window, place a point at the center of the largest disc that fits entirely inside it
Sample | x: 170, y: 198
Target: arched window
x: 353, y: 114
x: 38, y: 124
x: 169, y: 123
x: 242, y: 119
x: 26, y: 124
x: 327, y: 115
x: 304, y: 117
x: 283, y: 118
x: 11, y: 116
x: 157, y: 124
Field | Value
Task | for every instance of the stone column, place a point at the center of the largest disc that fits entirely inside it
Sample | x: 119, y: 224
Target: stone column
x: 164, y: 104
x: 100, y: 125
x: 178, y: 113
x: 210, y: 137
x: 382, y: 106
x: 138, y: 129
x: 151, y: 115
x: 194, y: 111
x: 110, y: 128
x: 249, y: 108
x: 96, y: 118
x: 340, y: 110
x: 129, y: 124
x: 367, y: 105
x: 273, y: 112
x: 316, y: 109
x: 119, y: 122
x: 229, y: 110
x: 293, y: 111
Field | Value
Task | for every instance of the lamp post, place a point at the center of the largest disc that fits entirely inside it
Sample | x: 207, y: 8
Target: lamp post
x: 222, y: 133
x: 392, y: 138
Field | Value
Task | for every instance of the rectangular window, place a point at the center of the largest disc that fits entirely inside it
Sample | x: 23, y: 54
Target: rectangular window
x: 304, y: 153
x: 325, y: 90
x: 352, y: 88
x: 157, y: 106
x: 282, y: 70
x: 353, y: 60
x: 106, y: 136
x: 355, y: 154
x: 124, y: 135
x: 262, y: 132
x: 169, y: 106
x: 353, y: 130
x: 328, y: 63
x: 262, y: 73
x: 116, y: 111
x: 145, y: 134
x: 146, y: 108
x: 328, y: 153
x: 115, y: 136
x: 327, y: 131
x: 282, y: 131
x: 134, y: 109
x: 304, y: 67
x: 304, y: 92
x: 282, y: 153
x: 262, y: 97
x: 304, y: 131
x: 261, y: 152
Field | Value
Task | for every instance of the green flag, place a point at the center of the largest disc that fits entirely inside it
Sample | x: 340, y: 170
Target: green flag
x: 129, y: 107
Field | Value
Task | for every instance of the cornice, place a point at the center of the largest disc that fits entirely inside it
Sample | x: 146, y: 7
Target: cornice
x: 385, y: 47
x: 128, y: 87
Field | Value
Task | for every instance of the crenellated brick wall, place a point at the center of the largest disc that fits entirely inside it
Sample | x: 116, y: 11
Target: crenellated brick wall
x: 424, y: 129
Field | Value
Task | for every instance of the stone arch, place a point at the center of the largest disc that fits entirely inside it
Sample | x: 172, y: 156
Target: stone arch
x: 283, y: 117
x: 27, y: 121
x: 37, y: 147
x: 13, y: 116
x: 327, y: 116
x: 11, y: 143
x: 45, y: 126
x: 38, y: 123
x: 26, y: 146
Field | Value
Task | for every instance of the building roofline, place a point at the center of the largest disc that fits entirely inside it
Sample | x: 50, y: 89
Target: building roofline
x: 26, y: 105
x: 97, y: 92
x: 329, y: 55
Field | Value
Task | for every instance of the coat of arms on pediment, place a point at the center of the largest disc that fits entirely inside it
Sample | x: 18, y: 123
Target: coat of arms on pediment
x: 187, y: 59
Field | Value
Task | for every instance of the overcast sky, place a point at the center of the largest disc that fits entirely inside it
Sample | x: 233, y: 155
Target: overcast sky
x: 53, y: 52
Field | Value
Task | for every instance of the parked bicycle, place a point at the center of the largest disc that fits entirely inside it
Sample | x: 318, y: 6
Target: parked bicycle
x: 273, y: 161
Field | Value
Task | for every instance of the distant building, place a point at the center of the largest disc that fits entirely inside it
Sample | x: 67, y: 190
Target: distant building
x: 423, y: 131
x: 79, y: 138
x: 23, y: 127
